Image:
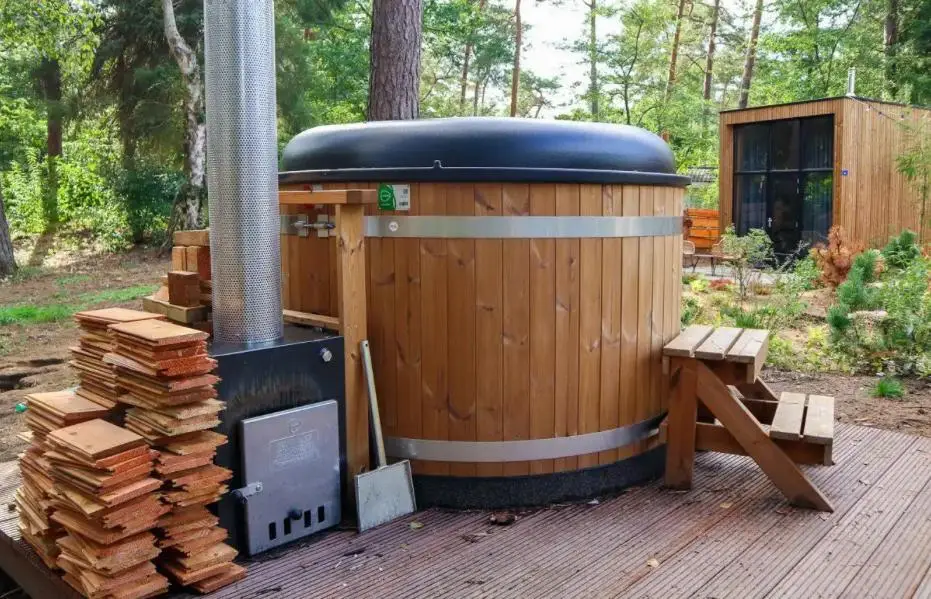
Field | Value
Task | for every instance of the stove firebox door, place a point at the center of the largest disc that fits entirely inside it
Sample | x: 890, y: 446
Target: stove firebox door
x: 290, y: 468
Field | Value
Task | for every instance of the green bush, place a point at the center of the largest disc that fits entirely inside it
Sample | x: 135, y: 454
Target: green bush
x: 888, y: 387
x: 691, y: 308
x: 746, y: 253
x: 147, y: 194
x: 699, y: 285
x: 902, y: 250
x: 885, y: 324
x: 807, y: 274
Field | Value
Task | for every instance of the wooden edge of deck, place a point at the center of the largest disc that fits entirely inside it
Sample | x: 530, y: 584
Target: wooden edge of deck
x: 683, y: 346
x: 329, y: 197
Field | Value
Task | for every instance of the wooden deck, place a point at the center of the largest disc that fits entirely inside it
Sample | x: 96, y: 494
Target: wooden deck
x: 733, y: 535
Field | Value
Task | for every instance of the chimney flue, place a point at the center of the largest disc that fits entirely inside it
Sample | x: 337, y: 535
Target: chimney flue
x: 852, y: 82
x: 242, y: 157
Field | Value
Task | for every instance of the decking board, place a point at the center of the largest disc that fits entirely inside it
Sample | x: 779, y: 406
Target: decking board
x: 733, y: 535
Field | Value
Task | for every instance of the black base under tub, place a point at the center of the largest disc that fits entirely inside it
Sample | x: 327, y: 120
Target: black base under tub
x: 494, y: 492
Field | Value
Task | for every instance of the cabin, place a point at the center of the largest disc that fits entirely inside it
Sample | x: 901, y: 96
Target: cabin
x: 797, y: 169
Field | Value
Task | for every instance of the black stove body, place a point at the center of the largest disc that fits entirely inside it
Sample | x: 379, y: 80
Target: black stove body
x: 304, y: 367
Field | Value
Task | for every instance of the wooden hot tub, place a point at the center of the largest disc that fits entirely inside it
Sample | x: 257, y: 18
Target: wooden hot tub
x: 519, y: 305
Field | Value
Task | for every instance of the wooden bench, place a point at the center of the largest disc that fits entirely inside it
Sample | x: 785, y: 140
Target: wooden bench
x: 718, y: 403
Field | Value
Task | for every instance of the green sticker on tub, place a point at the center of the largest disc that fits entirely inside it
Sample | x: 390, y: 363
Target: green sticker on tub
x: 394, y: 197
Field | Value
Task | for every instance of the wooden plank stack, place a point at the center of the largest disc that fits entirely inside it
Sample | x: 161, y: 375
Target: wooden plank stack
x: 185, y: 294
x: 107, y: 501
x: 169, y: 383
x: 98, y: 380
x: 46, y: 412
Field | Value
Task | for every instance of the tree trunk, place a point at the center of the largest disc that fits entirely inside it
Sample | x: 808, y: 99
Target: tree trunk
x: 515, y: 72
x: 709, y: 60
x: 7, y: 260
x: 394, y: 82
x: 593, y: 88
x: 187, y: 206
x: 50, y: 83
x: 891, y: 46
x: 464, y: 81
x: 674, y: 54
x: 750, y: 59
x: 475, y: 97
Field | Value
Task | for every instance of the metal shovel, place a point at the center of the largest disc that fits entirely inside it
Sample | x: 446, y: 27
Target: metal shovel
x: 387, y: 492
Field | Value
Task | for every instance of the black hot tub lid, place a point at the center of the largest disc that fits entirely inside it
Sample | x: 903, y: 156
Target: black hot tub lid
x: 480, y: 149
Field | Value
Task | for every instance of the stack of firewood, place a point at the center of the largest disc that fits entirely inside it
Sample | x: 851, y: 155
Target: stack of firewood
x: 185, y: 294
x: 107, y: 502
x: 45, y: 413
x: 168, y: 379
x: 98, y: 380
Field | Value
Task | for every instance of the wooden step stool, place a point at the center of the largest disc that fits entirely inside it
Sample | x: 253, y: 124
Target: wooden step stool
x: 718, y: 403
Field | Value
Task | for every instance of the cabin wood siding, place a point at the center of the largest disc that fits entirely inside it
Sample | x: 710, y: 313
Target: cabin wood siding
x: 871, y: 202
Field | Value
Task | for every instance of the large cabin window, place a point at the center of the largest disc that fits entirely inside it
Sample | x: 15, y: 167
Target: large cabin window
x: 784, y: 180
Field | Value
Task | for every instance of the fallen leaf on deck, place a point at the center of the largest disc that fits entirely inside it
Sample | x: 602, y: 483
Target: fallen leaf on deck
x: 726, y: 505
x: 594, y: 502
x: 653, y: 562
x: 416, y: 525
x: 503, y: 518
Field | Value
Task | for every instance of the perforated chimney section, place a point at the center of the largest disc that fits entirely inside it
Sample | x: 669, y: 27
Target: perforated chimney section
x: 242, y: 170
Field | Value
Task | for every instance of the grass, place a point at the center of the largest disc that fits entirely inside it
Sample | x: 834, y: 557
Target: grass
x: 24, y: 314
x: 889, y: 388
x: 72, y: 280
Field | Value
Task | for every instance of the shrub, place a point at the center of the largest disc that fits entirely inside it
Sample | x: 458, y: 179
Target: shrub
x: 688, y: 277
x: 699, y: 286
x: 902, y: 250
x: 888, y: 387
x: 886, y: 324
x: 835, y: 259
x: 721, y: 284
x: 807, y: 274
x: 746, y: 253
x: 691, y: 308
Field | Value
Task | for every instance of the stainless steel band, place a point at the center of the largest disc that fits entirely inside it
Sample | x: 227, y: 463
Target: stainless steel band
x: 520, y: 451
x: 522, y: 227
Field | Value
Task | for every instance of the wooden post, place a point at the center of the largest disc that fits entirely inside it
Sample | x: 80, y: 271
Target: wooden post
x: 683, y: 414
x: 350, y: 241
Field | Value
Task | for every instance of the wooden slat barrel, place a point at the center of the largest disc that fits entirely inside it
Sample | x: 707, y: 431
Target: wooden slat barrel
x: 516, y: 332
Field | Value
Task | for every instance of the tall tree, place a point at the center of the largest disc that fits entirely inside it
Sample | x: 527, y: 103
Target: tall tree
x: 187, y: 206
x: 750, y: 59
x: 891, y: 45
x: 7, y: 259
x: 467, y: 55
x: 709, y: 56
x: 48, y: 77
x: 593, y: 87
x: 394, y: 81
x: 515, y: 72
x: 674, y: 52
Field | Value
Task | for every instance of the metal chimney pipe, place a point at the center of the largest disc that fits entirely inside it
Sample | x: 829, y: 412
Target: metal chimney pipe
x: 852, y: 82
x: 242, y: 173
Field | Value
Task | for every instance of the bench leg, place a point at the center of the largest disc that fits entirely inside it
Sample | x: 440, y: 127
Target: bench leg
x: 680, y: 439
x: 774, y: 462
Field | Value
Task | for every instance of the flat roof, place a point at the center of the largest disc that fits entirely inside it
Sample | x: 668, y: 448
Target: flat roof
x: 860, y: 98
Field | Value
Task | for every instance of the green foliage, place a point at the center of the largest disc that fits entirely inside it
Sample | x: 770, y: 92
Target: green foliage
x: 147, y: 194
x: 889, y: 388
x: 699, y: 285
x: 885, y: 324
x: 807, y: 274
x: 746, y: 253
x: 902, y: 250
x: 688, y: 277
x: 32, y: 314
x: 691, y: 308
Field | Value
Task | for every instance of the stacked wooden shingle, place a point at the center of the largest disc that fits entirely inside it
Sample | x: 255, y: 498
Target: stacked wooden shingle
x: 98, y: 380
x: 46, y: 412
x: 168, y: 379
x: 184, y: 296
x: 107, y: 501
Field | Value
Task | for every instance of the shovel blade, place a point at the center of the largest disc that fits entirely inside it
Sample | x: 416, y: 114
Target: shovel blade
x: 384, y: 494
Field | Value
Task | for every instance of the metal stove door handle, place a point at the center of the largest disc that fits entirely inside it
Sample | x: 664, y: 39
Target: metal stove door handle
x: 243, y: 494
